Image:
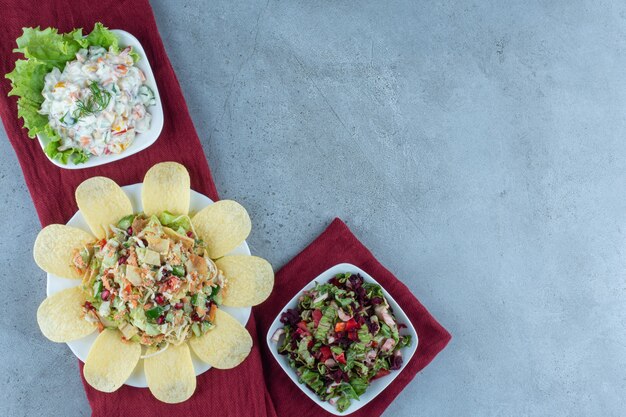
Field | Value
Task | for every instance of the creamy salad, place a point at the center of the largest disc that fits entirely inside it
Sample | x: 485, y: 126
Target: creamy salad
x: 98, y: 103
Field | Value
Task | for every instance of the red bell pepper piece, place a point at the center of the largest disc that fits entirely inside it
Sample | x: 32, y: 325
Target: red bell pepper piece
x: 340, y: 326
x: 352, y: 324
x: 302, y: 329
x: 341, y: 358
x: 325, y: 353
x: 317, y: 316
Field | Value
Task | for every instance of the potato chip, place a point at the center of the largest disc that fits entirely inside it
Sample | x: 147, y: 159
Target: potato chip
x: 60, y: 316
x: 186, y: 241
x: 223, y: 226
x: 110, y: 361
x: 55, y: 246
x: 170, y: 374
x: 102, y: 203
x: 226, y: 345
x: 166, y: 188
x: 249, y: 280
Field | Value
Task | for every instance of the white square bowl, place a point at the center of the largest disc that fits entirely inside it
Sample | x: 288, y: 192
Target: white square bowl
x: 142, y: 140
x: 377, y: 386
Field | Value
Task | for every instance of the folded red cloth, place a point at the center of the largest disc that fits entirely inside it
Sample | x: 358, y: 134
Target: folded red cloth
x: 337, y: 245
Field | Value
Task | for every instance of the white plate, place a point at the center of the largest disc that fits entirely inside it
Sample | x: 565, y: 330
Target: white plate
x: 142, y: 140
x: 377, y: 386
x: 81, y: 347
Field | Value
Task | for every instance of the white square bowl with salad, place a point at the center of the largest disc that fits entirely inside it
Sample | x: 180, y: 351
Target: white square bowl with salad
x: 341, y: 345
x: 89, y: 99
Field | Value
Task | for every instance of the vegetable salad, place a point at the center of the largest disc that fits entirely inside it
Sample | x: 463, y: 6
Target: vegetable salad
x: 340, y: 337
x: 151, y: 280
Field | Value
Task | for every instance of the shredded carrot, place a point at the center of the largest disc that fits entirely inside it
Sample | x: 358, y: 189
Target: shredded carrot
x: 212, y: 312
x: 105, y: 282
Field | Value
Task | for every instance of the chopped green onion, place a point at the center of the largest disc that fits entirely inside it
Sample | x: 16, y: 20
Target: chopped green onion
x: 155, y: 312
x: 178, y: 270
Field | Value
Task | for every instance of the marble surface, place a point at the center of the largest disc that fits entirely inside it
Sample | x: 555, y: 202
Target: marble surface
x: 477, y: 148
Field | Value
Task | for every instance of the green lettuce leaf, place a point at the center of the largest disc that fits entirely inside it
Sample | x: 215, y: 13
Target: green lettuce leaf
x: 101, y: 36
x: 404, y: 341
x: 27, y: 80
x: 325, y: 324
x: 34, y: 122
x: 359, y: 385
x: 364, y: 334
x: 175, y: 222
x: 48, y: 47
x: 347, y: 393
x: 78, y: 156
x: 303, y: 352
x: 313, y: 380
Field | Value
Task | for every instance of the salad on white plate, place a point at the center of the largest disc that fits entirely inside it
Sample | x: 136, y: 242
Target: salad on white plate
x: 85, y: 97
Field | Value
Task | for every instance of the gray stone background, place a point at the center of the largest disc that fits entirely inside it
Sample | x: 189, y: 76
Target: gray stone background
x: 478, y: 148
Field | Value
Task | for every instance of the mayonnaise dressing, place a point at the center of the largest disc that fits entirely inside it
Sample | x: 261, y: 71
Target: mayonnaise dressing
x: 104, y: 122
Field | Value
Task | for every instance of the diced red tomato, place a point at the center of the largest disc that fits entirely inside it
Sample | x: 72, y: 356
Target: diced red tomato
x: 325, y: 353
x: 302, y: 329
x: 317, y: 316
x: 351, y: 324
x: 341, y: 358
x: 381, y: 373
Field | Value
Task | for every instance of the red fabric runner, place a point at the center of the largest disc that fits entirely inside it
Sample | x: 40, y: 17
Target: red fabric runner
x: 243, y: 391
x: 338, y: 245
x: 52, y: 188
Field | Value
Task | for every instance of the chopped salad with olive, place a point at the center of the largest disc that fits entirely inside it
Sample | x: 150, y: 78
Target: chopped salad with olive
x: 151, y: 279
x: 340, y: 337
